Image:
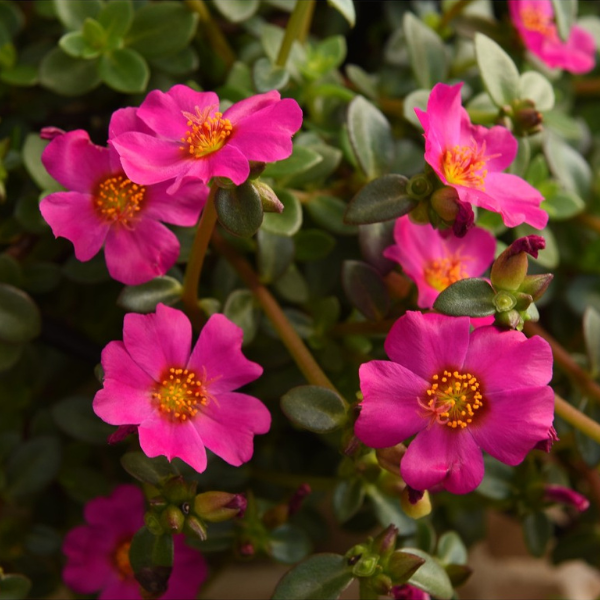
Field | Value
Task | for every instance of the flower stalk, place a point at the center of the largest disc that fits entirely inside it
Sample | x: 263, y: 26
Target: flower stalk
x: 577, y: 419
x: 297, y: 29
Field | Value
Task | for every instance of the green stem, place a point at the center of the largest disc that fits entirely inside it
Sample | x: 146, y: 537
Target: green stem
x: 297, y: 29
x: 206, y: 226
x: 299, y: 352
x: 452, y: 13
x: 577, y: 419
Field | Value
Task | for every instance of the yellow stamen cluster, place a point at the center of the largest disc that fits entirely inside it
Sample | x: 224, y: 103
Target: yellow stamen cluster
x: 121, y: 560
x: 206, y: 134
x: 442, y: 272
x: 118, y: 199
x: 534, y: 19
x: 453, y: 399
x: 180, y: 394
x: 464, y: 165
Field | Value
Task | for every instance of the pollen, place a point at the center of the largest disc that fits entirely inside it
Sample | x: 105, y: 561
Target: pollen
x: 180, y: 395
x: 121, y: 559
x: 206, y: 134
x: 465, y: 165
x: 442, y: 272
x: 119, y: 200
x: 456, y: 404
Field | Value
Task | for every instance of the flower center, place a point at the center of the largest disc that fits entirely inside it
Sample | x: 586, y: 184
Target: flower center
x: 206, y: 134
x: 118, y: 199
x: 180, y: 394
x: 121, y: 560
x: 452, y: 399
x: 442, y: 272
x: 464, y: 165
x: 535, y: 19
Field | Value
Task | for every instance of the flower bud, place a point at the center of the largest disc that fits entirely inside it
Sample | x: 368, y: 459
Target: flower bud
x: 511, y: 319
x: 527, y: 119
x: 177, y: 490
x: 219, y: 506
x: 270, y: 201
x: 246, y: 549
x: 172, y: 519
x: 416, y: 509
x: 402, y: 565
x: 297, y: 499
x: 419, y: 187
x: 385, y: 542
x: 445, y: 203
x: 510, y: 268
x: 381, y: 584
x: 121, y: 433
x: 194, y: 527
x: 420, y: 213
x: 256, y: 169
x: 389, y: 458
x: 564, y: 495
x: 536, y: 285
x: 464, y: 220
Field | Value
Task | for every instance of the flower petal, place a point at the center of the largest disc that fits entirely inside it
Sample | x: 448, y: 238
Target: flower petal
x: 228, y: 161
x: 218, y: 353
x: 428, y: 343
x: 390, y: 412
x: 121, y: 589
x: 158, y: 341
x: 228, y: 423
x: 476, y: 249
x: 249, y: 106
x: 71, y: 215
x: 189, y: 572
x: 500, y: 144
x: 121, y: 513
x: 182, y: 209
x: 513, y: 421
x: 441, y: 455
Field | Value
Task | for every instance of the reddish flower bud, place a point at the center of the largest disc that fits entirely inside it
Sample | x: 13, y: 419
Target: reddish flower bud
x: 270, y: 201
x: 219, y: 506
x: 564, y: 495
x: 445, y: 203
x: 510, y: 268
x: 172, y: 519
x: 49, y: 133
x: 389, y: 458
x: 121, y: 433
x: 536, y: 285
x: 297, y: 499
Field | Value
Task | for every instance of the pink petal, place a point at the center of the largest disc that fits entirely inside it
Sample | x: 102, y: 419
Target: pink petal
x: 444, y: 112
x: 476, y: 249
x: 218, y: 353
x: 501, y: 146
x: 182, y: 209
x: 71, y: 215
x: 249, y: 106
x: 134, y: 256
x: 513, y: 421
x: 75, y: 162
x: 121, y: 589
x: 126, y: 396
x: 441, y: 455
x: 121, y: 513
x: 158, y: 341
x: 390, y: 412
x: 517, y: 362
x: 161, y: 437
x: 124, y: 120
x: 228, y: 423
x: 428, y: 343
x: 189, y: 572
x: 228, y: 161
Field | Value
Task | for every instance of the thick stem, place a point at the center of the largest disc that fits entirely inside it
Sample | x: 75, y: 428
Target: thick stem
x: 590, y: 221
x: 297, y: 29
x: 303, y: 358
x: 452, y: 13
x: 577, y: 419
x: 189, y: 296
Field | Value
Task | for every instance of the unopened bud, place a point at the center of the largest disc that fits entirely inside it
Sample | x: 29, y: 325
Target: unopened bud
x: 49, y: 133
x: 177, y: 490
x: 219, y: 506
x: 121, y: 433
x: 246, y: 549
x: 256, y: 169
x: 389, y: 458
x: 297, y: 499
x: 527, y: 118
x: 194, y: 527
x: 464, y: 220
x: 511, y: 319
x: 385, y: 542
x: 270, y: 201
x: 420, y: 213
x: 564, y: 495
x: 403, y: 565
x: 381, y: 584
x: 536, y: 285
x: 172, y: 519
x: 445, y: 203
x: 416, y: 509
x: 510, y: 268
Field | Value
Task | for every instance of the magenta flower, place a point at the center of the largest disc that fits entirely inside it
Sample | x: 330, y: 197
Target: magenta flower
x: 534, y: 20
x: 186, y: 137
x: 471, y: 158
x: 459, y: 392
x: 104, y: 207
x: 408, y: 592
x: 434, y: 259
x: 98, y: 552
x: 182, y: 399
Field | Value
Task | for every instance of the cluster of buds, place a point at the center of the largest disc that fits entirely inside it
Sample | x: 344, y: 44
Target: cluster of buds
x: 522, y: 117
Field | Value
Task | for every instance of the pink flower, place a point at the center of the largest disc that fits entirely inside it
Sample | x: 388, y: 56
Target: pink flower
x: 408, y: 592
x: 104, y: 207
x: 471, y: 158
x: 434, y: 259
x: 458, y: 392
x: 98, y: 552
x: 534, y: 20
x: 186, y: 137
x: 182, y: 399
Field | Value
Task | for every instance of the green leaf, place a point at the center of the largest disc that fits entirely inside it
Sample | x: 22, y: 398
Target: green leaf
x: 537, y: 530
x: 403, y: 565
x: 289, y: 544
x: 563, y: 205
x: 346, y: 9
x: 274, y: 256
x: 565, y: 13
x: 31, y: 154
x: 292, y: 286
x: 320, y: 577
x: 148, y: 470
x: 370, y: 137
x: 301, y: 160
x: 75, y: 45
x: 151, y: 559
x: 472, y: 297
x: 145, y: 297
x: 181, y: 63
x: 239, y: 209
x: 328, y: 212
x: 124, y: 70
x: 373, y: 240
x: 365, y: 289
x: 40, y: 277
x: 241, y: 308
x: 348, y: 497
x: 93, y: 33
x: 535, y: 87
x: 11, y: 18
x: 73, y: 13
x: 430, y: 577
x: 161, y: 28
x: 237, y: 11
x: 498, y: 71
x: 287, y: 222
x: 451, y: 549
x: 14, y: 587
x: 66, y: 75
x: 388, y: 511
x: 267, y: 76
x: 20, y: 76
x: 364, y: 81
x: 426, y: 52
x: 75, y: 416
x: 20, y: 319
x: 314, y: 408
x: 568, y: 166
x: 116, y: 18
x: 497, y: 481
x: 32, y: 466
x: 10, y: 354
x: 591, y: 333
x: 380, y: 200
x: 324, y: 57
x: 313, y: 244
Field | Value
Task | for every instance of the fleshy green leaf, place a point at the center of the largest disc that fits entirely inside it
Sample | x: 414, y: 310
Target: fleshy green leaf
x: 151, y: 559
x: 430, y: 577
x: 289, y: 544
x: 75, y: 45
x: 313, y: 244
x: 145, y: 297
x: 20, y: 319
x: 73, y: 13
x: 565, y: 13
x: 535, y: 87
x: 14, y: 587
x: 563, y: 205
x: 239, y: 209
x: 32, y: 153
x: 66, y: 75
x: 9, y: 354
x: 314, y: 408
x: 124, y: 70
x: 237, y: 11
x: 348, y: 497
x: 328, y: 212
x: 365, y: 289
x: 451, y: 549
x: 275, y: 253
x: 380, y: 200
x: 346, y: 9
x: 568, y: 166
x: 241, y: 309
x: 472, y: 297
x: 74, y: 415
x: 287, y: 222
x: 115, y: 17
x: 301, y: 160
x: 320, y: 577
x: 267, y: 76
x: 148, y: 470
x: 537, y: 530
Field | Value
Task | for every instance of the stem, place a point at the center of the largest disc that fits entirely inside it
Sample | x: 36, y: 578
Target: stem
x: 452, y: 13
x: 212, y: 31
x: 565, y: 362
x: 577, y: 419
x: 590, y: 221
x: 197, y: 254
x: 297, y: 29
x: 303, y: 358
